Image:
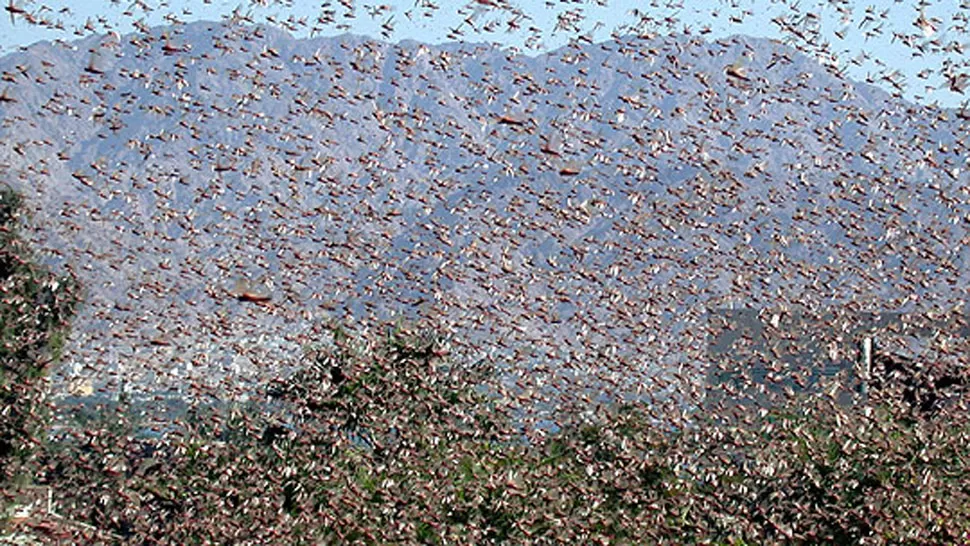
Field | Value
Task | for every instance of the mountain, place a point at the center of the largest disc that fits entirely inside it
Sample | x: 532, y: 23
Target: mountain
x: 586, y: 206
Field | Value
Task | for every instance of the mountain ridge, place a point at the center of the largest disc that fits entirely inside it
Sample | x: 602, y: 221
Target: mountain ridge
x: 549, y: 202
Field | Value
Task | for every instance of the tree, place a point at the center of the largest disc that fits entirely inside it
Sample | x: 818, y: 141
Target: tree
x: 35, y: 307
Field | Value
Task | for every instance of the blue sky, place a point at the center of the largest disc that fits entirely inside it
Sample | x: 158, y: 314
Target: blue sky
x: 876, y: 55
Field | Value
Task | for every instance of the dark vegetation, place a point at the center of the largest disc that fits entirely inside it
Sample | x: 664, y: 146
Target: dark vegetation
x: 389, y: 439
x: 35, y: 307
x: 404, y: 449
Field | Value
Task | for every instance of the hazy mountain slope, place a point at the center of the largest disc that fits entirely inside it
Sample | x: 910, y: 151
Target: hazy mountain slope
x: 600, y: 196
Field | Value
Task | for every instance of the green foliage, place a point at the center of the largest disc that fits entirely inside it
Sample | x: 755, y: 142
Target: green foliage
x: 389, y: 451
x: 35, y: 308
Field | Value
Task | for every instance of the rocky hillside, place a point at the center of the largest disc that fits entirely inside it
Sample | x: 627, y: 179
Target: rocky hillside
x: 597, y: 199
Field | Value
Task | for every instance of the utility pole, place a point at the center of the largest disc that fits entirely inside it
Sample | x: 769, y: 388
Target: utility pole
x: 865, y: 365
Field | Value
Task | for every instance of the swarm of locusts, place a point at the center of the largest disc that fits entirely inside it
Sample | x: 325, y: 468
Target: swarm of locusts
x: 562, y: 273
